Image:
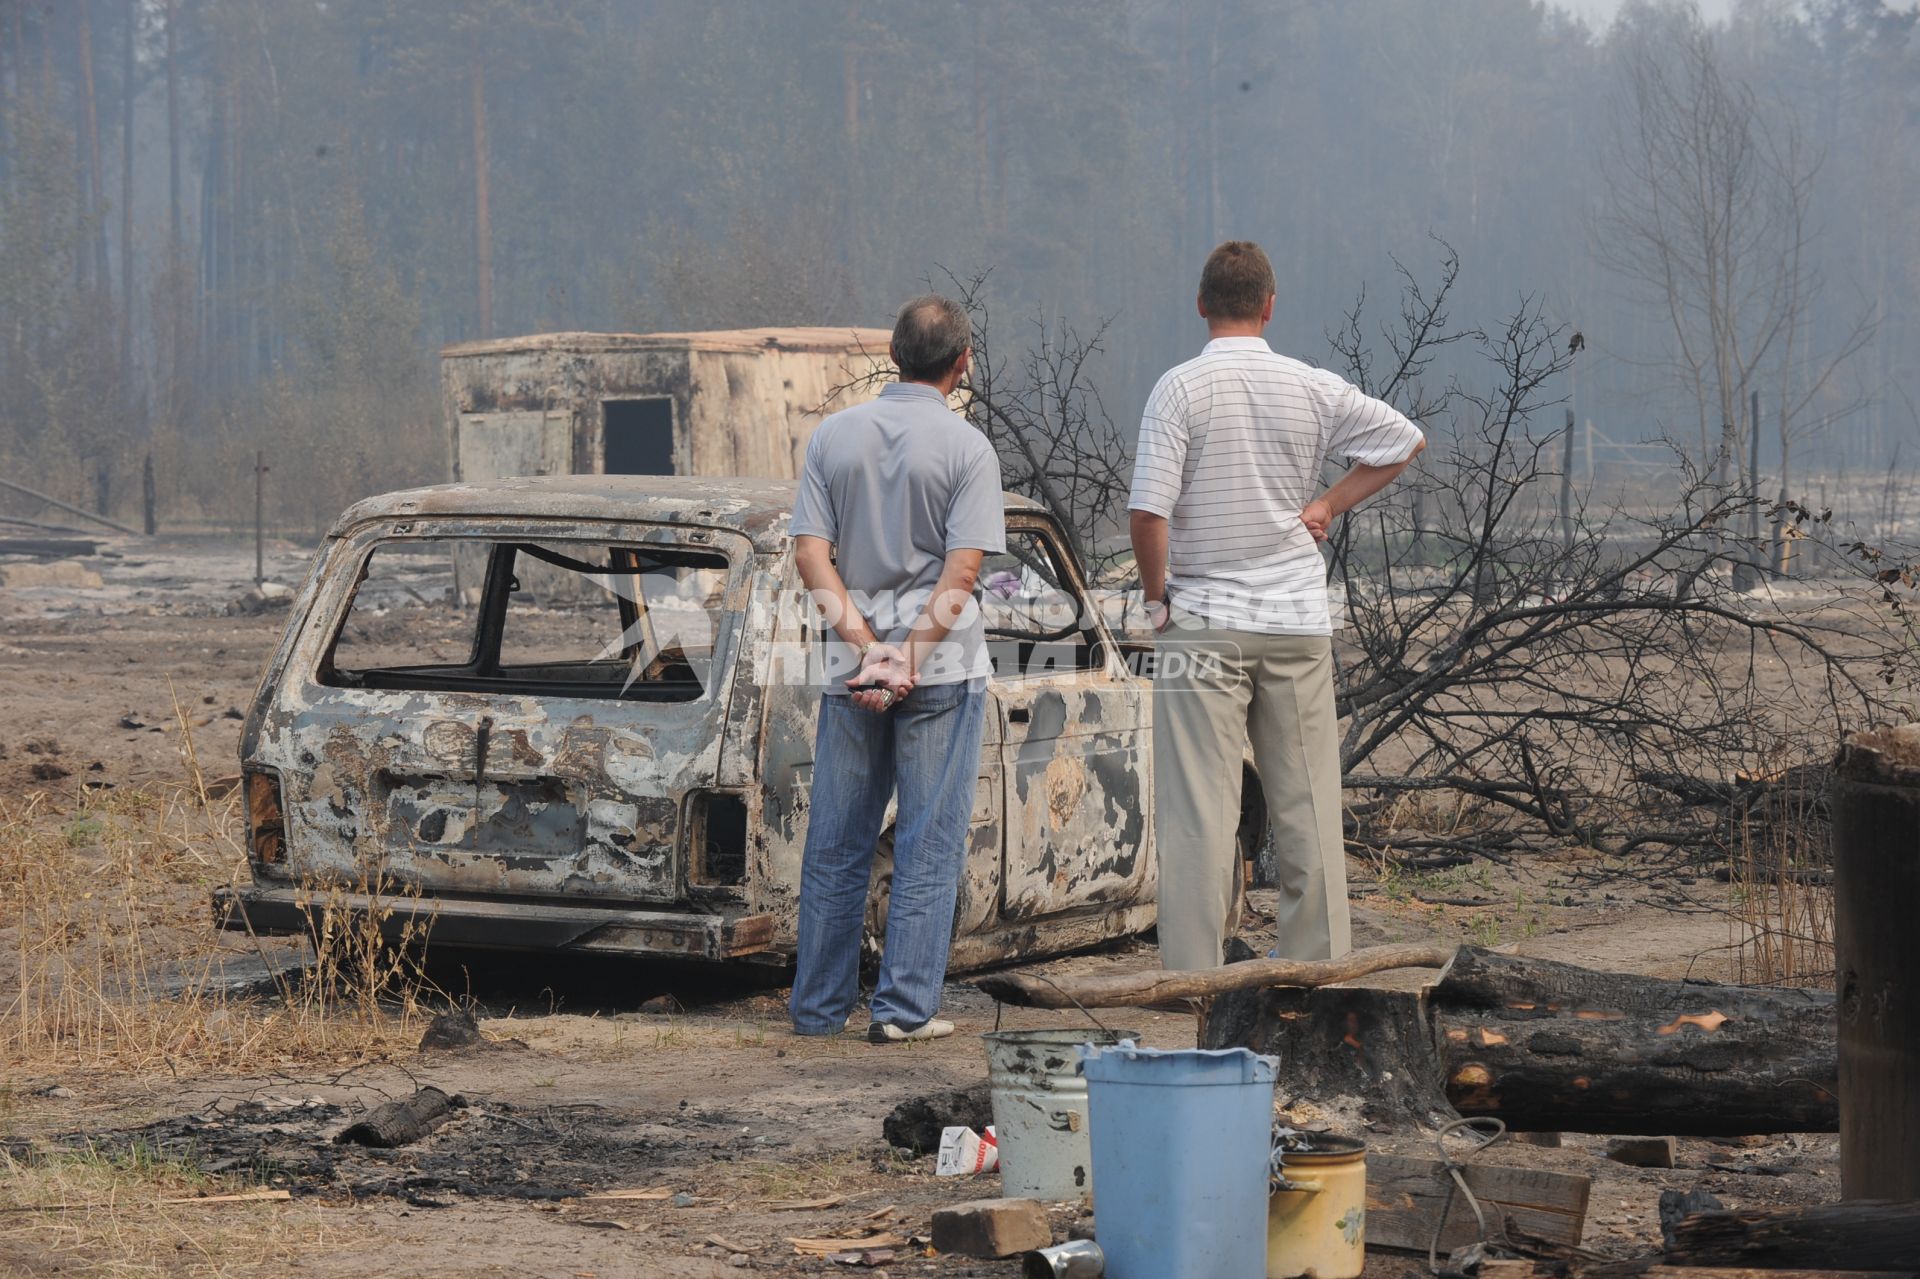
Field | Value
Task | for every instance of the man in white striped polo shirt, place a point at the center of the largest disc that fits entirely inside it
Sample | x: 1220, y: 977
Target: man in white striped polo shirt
x: 1226, y: 516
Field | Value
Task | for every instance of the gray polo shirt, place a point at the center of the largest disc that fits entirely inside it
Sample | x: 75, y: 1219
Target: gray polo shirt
x: 895, y: 484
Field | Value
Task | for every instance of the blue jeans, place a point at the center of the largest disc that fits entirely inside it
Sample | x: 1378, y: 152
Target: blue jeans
x: 929, y: 747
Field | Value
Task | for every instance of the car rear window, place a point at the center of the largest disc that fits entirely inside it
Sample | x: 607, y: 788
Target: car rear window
x: 573, y: 618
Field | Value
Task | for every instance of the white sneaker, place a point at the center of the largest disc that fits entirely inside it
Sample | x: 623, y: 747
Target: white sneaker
x: 881, y: 1032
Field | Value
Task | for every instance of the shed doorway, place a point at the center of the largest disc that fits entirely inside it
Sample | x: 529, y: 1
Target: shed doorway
x: 636, y: 436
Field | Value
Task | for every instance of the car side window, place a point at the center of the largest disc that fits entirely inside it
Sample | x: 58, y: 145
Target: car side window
x: 1032, y: 613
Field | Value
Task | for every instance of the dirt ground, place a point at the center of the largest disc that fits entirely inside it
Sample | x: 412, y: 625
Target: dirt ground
x: 750, y: 1136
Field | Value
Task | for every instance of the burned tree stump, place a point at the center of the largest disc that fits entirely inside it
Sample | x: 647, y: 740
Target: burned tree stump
x: 1876, y: 881
x: 1858, y: 1235
x: 1543, y: 1045
x: 1374, y: 1045
x: 399, y: 1122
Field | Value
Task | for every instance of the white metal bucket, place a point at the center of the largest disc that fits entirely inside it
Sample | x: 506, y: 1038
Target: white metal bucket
x: 1040, y: 1111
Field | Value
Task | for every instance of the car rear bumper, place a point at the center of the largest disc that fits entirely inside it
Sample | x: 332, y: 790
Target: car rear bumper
x: 503, y: 925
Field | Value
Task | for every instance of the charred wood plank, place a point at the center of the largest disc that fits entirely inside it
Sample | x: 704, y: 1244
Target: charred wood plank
x: 398, y: 1123
x: 1544, y: 1045
x: 1132, y: 990
x: 1856, y: 1235
x: 1408, y: 1199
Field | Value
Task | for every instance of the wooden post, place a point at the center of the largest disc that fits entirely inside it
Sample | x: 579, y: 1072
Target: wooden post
x: 149, y: 497
x: 1566, y: 485
x: 1876, y: 880
x: 259, y: 516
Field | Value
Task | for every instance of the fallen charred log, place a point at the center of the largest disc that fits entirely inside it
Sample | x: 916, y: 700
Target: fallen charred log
x: 398, y: 1123
x: 1544, y: 1045
x: 1552, y: 1047
x: 1135, y: 990
x: 1857, y: 1235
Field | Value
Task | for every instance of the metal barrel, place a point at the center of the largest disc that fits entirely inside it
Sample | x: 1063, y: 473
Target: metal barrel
x: 1876, y: 864
x: 1040, y: 1111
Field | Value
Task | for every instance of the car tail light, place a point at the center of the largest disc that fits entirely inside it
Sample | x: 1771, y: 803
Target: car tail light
x: 717, y: 839
x: 266, y: 825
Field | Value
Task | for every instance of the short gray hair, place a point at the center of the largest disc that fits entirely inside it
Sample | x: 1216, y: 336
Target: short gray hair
x: 928, y: 336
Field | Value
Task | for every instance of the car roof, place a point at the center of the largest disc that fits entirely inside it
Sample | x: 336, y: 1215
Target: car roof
x: 754, y: 506
x: 826, y: 339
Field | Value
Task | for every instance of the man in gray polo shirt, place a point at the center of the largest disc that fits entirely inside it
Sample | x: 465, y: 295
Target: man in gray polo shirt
x: 899, y: 500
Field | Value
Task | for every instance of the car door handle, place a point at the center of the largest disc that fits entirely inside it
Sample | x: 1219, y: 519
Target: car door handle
x: 1019, y: 715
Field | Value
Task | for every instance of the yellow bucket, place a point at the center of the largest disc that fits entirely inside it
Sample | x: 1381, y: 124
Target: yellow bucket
x: 1317, y: 1215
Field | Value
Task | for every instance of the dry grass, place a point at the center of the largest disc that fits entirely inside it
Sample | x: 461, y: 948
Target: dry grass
x: 89, y: 1212
x: 810, y: 1177
x: 114, y: 961
x: 1780, y: 871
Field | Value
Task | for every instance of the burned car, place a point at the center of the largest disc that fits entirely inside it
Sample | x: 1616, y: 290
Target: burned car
x: 575, y: 713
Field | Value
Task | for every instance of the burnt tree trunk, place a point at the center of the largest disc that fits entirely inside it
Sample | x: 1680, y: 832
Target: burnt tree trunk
x: 1543, y: 1045
x: 127, y: 96
x: 1859, y: 1235
x: 1374, y: 1045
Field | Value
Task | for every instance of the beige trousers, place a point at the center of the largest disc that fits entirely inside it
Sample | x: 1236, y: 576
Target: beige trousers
x: 1214, y: 689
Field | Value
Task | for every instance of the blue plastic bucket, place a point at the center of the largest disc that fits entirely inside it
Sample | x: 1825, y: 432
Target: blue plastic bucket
x: 1180, y: 1151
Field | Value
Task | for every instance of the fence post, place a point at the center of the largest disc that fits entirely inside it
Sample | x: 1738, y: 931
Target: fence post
x: 259, y: 516
x: 149, y: 497
x: 1566, y: 485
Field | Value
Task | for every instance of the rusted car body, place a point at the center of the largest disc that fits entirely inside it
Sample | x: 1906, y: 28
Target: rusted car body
x: 612, y: 750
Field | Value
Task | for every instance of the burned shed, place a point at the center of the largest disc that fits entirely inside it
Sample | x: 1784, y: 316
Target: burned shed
x: 732, y: 402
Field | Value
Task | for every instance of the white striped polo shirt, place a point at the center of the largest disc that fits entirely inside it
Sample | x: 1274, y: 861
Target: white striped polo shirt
x: 1230, y: 450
